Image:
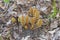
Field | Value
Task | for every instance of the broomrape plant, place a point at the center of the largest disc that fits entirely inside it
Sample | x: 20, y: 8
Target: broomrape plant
x: 30, y: 20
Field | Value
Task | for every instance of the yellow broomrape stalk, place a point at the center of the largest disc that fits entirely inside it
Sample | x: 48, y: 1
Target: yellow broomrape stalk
x: 26, y: 27
x: 22, y: 20
x: 19, y: 19
x: 36, y: 15
x: 27, y: 19
x: 39, y: 23
x: 13, y: 20
x: 30, y: 12
x: 32, y: 21
x: 32, y: 27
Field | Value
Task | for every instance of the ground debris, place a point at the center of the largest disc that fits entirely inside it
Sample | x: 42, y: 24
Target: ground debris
x: 28, y: 20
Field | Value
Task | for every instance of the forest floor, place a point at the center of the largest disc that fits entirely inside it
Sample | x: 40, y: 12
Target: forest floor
x: 49, y: 30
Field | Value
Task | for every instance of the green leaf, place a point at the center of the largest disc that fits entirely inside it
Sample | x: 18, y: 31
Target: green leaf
x: 6, y: 1
x: 53, y: 15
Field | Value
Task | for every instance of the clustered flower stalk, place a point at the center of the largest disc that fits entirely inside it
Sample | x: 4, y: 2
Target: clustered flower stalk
x: 30, y: 20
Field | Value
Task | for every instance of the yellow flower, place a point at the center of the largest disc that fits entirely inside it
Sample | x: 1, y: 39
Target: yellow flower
x: 19, y: 20
x: 13, y: 20
x: 26, y: 27
x: 39, y: 23
x: 30, y: 11
x: 34, y: 11
x: 22, y: 20
x: 27, y: 19
x: 32, y: 27
x: 32, y: 20
x: 36, y: 15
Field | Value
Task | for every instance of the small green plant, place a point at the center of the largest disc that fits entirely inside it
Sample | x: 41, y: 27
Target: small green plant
x: 1, y: 38
x: 6, y: 1
x: 53, y: 15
